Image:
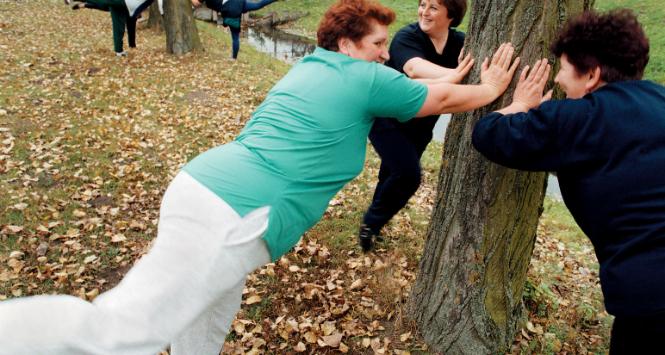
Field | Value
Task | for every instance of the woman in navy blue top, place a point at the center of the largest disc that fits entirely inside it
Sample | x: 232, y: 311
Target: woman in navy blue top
x: 423, y: 50
x: 606, y: 142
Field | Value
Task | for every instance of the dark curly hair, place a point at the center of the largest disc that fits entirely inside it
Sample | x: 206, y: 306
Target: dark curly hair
x: 456, y: 10
x: 351, y: 19
x: 613, y: 41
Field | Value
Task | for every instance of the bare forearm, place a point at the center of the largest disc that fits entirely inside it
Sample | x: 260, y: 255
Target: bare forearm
x: 418, y: 68
x: 452, y: 98
x: 433, y: 81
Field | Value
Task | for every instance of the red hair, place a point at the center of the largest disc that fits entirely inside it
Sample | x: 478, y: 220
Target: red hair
x: 351, y: 19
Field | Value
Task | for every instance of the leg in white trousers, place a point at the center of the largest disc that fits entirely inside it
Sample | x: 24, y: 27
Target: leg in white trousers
x: 187, y: 288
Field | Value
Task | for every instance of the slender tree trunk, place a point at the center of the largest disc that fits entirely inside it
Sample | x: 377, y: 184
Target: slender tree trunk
x: 467, y: 298
x: 155, y: 20
x: 181, y: 33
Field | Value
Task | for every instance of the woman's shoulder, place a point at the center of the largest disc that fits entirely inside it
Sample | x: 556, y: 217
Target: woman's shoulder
x: 456, y: 35
x: 409, y: 30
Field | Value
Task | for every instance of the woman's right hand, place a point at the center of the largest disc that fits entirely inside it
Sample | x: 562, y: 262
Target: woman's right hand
x: 497, y: 73
x: 465, y: 63
x: 529, y: 91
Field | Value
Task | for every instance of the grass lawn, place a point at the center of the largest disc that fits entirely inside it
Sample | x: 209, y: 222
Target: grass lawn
x: 650, y: 13
x: 88, y: 143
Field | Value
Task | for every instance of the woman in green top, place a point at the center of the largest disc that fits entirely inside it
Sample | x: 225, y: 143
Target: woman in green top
x: 240, y: 205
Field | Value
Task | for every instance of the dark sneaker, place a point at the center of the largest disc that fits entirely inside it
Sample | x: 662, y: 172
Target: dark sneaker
x: 366, y: 237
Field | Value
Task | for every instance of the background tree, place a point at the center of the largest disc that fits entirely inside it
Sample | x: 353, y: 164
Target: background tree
x: 467, y: 298
x: 181, y: 33
x: 155, y: 20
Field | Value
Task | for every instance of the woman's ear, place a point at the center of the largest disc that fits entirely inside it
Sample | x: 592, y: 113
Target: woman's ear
x: 343, y: 45
x: 593, y: 80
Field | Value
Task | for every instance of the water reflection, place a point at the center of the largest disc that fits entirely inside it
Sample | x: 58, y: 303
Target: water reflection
x: 281, y: 45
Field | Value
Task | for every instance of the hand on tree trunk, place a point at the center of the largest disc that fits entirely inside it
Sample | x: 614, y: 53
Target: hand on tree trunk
x: 529, y: 91
x: 497, y: 73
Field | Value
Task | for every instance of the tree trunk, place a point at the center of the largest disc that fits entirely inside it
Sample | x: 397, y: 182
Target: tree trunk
x: 155, y: 18
x: 467, y: 298
x: 181, y: 33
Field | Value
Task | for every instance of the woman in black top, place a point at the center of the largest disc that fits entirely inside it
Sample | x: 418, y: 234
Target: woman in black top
x: 427, y: 49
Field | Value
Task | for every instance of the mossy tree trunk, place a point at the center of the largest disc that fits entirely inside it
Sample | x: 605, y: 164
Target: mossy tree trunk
x: 467, y: 298
x: 181, y: 33
x: 155, y: 20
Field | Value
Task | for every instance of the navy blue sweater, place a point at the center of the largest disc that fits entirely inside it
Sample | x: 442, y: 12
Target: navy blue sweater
x: 608, y: 150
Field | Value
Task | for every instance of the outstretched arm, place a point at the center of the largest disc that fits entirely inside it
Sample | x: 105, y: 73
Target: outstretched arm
x: 495, y: 76
x: 445, y: 75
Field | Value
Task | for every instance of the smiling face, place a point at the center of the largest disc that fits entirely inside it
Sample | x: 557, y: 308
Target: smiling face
x: 372, y: 48
x: 433, y: 17
x: 574, y: 84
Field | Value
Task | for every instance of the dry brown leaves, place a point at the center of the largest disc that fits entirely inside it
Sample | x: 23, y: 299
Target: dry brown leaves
x: 88, y: 143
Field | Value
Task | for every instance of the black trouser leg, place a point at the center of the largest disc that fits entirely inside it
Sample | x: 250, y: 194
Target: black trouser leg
x: 400, y: 172
x: 131, y: 31
x: 638, y: 335
x: 119, y: 16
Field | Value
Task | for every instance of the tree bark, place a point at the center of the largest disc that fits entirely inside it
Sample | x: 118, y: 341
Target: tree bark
x: 155, y: 20
x: 467, y: 298
x: 181, y: 33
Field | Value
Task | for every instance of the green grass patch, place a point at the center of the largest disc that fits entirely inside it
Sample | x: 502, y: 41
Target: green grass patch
x: 651, y: 14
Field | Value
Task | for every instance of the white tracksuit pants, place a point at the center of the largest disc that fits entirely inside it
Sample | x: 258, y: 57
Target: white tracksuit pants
x: 185, y: 291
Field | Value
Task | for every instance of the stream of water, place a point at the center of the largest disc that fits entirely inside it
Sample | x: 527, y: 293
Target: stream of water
x: 281, y: 45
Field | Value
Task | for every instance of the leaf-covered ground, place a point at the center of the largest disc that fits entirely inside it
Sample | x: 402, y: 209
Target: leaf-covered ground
x: 89, y: 142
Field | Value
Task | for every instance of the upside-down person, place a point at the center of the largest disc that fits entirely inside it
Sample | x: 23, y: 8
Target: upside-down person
x: 124, y: 14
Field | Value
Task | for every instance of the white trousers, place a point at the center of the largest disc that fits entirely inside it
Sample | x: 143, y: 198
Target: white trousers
x: 185, y: 291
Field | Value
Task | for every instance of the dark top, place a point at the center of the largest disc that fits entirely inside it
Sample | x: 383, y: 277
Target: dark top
x: 608, y: 150
x: 232, y: 8
x: 411, y: 42
x: 141, y: 7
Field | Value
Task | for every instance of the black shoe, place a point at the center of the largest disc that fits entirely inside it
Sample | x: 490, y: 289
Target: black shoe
x: 366, y: 238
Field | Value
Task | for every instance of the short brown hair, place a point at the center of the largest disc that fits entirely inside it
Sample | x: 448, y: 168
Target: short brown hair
x: 613, y: 41
x: 456, y: 10
x: 351, y: 19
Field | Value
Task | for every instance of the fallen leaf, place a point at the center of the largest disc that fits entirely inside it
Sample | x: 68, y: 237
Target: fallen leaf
x: 118, y: 238
x: 16, y: 254
x: 310, y: 337
x: 300, y: 347
x: 253, y: 299
x: 404, y: 337
x: 333, y: 341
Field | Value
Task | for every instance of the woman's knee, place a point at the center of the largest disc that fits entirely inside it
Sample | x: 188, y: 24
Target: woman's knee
x: 408, y: 178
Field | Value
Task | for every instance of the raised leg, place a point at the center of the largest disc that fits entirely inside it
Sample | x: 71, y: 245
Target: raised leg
x: 202, y: 252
